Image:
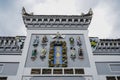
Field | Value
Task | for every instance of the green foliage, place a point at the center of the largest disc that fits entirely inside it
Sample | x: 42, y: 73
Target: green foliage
x: 34, y: 53
x: 71, y: 39
x: 93, y: 43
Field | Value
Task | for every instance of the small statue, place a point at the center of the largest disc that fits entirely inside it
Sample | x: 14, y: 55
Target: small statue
x: 73, y: 53
x: 34, y: 54
x: 43, y: 53
x: 71, y: 39
x: 44, y: 39
x: 80, y: 53
x: 36, y: 42
x: 58, y: 36
x: 78, y: 41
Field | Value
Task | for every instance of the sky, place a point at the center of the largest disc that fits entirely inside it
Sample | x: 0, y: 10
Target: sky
x: 105, y: 22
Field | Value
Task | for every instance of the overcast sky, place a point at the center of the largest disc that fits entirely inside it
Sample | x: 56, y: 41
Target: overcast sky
x: 105, y: 22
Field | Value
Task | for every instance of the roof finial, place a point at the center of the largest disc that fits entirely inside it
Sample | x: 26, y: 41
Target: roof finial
x: 82, y: 14
x: 90, y: 11
x: 23, y: 11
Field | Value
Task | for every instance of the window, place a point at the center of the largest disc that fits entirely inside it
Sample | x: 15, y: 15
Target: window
x: 1, y: 47
x: 86, y: 20
x: 1, y: 68
x: 79, y: 71
x: 27, y: 19
x: 57, y: 20
x: 104, y: 47
x: 13, y: 47
x: 39, y: 19
x: 110, y: 78
x: 68, y: 71
x: 118, y: 43
x: 45, y: 20
x: 115, y: 67
x: 11, y: 42
x: 115, y: 44
x: 51, y: 20
x: 8, y: 47
x: 110, y: 44
x: 6, y: 42
x: 1, y: 41
x: 112, y: 47
x: 118, y: 77
x: 57, y: 71
x: 46, y: 71
x: 106, y: 44
x: 35, y: 71
x: 75, y: 20
x: 3, y: 78
x: 63, y: 20
x: 70, y: 20
x: 34, y: 20
x: 81, y: 20
x: 117, y: 48
x: 99, y: 48
x: 101, y: 43
x: 108, y: 48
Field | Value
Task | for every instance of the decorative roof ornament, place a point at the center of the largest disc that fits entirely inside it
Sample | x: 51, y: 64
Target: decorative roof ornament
x: 82, y: 14
x: 58, y: 36
x: 90, y: 11
x: 25, y: 13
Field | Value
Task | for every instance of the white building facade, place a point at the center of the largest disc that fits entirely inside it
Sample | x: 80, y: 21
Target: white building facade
x: 57, y: 47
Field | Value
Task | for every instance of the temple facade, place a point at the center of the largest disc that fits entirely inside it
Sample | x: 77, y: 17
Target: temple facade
x: 57, y: 47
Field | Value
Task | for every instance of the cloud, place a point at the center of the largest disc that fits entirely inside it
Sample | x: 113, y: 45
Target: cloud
x: 53, y: 7
x: 105, y: 22
x: 84, y: 5
x: 11, y: 21
x: 115, y: 13
x: 101, y: 25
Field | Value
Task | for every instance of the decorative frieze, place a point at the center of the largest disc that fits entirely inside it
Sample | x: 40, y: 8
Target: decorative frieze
x: 11, y: 44
x: 54, y: 21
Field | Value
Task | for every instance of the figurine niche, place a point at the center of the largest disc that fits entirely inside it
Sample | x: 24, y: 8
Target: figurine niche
x: 36, y: 42
x: 80, y: 53
x: 43, y: 53
x: 71, y: 39
x: 44, y: 39
x: 78, y: 41
x: 34, y: 54
x: 73, y: 53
